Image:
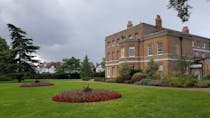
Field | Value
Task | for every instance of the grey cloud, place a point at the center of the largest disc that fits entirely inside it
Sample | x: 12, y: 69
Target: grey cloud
x: 65, y: 28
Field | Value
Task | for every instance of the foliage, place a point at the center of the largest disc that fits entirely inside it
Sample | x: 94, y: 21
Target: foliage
x: 145, y: 81
x: 133, y: 71
x: 22, y: 50
x: 120, y: 79
x: 5, y: 78
x: 137, y: 77
x: 86, y: 71
x: 151, y: 69
x: 99, y: 79
x: 155, y: 83
x: 86, y: 78
x: 182, y: 7
x: 99, y: 74
x: 202, y: 84
x: 103, y: 63
x: 86, y: 95
x: 125, y: 71
x: 5, y: 53
x: 207, y: 77
x: 69, y: 65
x: 110, y: 80
x: 182, y: 65
x: 184, y: 81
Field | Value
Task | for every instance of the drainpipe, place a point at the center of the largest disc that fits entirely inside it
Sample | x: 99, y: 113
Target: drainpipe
x: 180, y: 39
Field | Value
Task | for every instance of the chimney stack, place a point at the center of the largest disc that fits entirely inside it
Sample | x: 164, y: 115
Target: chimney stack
x: 158, y: 22
x: 129, y: 25
x: 185, y: 30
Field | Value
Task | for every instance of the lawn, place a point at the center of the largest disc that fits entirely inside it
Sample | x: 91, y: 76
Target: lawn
x: 136, y: 102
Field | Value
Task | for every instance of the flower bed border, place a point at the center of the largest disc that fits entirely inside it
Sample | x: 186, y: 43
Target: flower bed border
x: 36, y: 84
x: 79, y: 96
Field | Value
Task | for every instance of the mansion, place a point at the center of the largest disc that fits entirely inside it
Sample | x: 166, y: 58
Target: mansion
x: 137, y: 44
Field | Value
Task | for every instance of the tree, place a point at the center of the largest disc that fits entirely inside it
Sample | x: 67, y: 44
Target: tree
x: 151, y: 69
x: 22, y: 50
x: 69, y: 65
x: 125, y: 71
x: 182, y: 7
x: 86, y: 71
x: 103, y: 63
x: 182, y: 64
x: 4, y: 56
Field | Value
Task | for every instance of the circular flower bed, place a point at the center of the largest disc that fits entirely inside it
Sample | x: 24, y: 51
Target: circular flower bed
x: 36, y: 84
x: 86, y: 95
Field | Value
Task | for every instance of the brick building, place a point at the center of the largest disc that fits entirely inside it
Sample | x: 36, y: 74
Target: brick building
x: 137, y: 44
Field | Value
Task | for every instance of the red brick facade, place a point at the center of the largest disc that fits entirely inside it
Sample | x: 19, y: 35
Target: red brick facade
x: 136, y: 45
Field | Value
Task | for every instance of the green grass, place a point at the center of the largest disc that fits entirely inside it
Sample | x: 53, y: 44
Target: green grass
x: 137, y: 102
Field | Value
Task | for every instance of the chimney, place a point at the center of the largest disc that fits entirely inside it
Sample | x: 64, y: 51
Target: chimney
x: 185, y: 30
x: 129, y: 25
x: 158, y: 22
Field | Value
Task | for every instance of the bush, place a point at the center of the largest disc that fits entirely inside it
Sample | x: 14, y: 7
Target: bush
x: 128, y: 81
x: 133, y: 71
x: 202, y: 84
x: 5, y: 78
x: 144, y: 81
x: 99, y: 74
x: 120, y: 79
x: 86, y: 78
x: 110, y: 80
x: 207, y: 77
x: 175, y: 82
x: 155, y: 83
x: 99, y: 79
x: 137, y: 77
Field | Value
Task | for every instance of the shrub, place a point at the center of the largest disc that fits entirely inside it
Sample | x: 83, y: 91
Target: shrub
x: 133, y: 71
x: 86, y: 78
x: 144, y: 81
x: 165, y: 81
x: 99, y: 74
x: 120, y: 79
x: 155, y: 83
x: 128, y: 81
x: 99, y: 79
x: 202, y: 84
x: 151, y: 69
x: 175, y: 82
x: 125, y: 71
x: 110, y: 80
x: 137, y: 77
x: 207, y: 77
x: 189, y: 82
x: 5, y: 78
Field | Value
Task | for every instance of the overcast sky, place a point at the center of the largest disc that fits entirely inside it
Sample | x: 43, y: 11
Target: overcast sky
x: 65, y: 28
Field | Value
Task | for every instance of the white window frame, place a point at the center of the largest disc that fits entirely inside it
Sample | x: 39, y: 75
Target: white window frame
x: 149, y: 50
x: 122, y: 52
x: 160, y: 49
x: 193, y: 44
x: 204, y: 45
x: 132, y: 48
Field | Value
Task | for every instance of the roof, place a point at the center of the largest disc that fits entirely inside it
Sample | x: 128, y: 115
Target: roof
x: 164, y: 31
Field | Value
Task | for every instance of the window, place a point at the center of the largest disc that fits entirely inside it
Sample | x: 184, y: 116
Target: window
x: 160, y: 68
x: 149, y: 50
x: 193, y: 44
x: 159, y: 48
x: 131, y: 51
x: 204, y: 45
x: 113, y: 43
x: 122, y: 52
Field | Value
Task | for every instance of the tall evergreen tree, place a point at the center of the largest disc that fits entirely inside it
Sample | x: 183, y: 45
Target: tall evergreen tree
x: 22, y: 50
x: 86, y: 71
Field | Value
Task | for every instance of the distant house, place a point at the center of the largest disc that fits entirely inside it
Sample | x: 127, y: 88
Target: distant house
x: 48, y: 67
x: 99, y: 68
